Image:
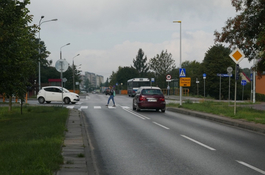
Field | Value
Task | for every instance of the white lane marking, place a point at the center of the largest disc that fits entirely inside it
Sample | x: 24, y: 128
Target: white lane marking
x: 87, y: 97
x: 161, y: 125
x: 97, y: 107
x: 137, y: 115
x: 125, y: 107
x: 208, y: 147
x: 252, y: 167
x: 83, y: 107
x: 70, y: 107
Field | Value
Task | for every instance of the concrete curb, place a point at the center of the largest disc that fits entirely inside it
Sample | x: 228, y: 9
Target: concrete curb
x: 73, y: 151
x: 225, y: 120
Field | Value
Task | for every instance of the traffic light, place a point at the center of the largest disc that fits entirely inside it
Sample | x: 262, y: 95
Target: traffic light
x: 237, y: 71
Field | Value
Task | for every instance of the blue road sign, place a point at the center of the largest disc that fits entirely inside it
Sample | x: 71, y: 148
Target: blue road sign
x: 251, y: 76
x: 204, y: 75
x: 224, y: 75
x: 182, y: 72
x: 243, y: 82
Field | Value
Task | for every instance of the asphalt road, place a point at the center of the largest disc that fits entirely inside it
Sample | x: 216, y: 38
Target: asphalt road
x: 148, y: 142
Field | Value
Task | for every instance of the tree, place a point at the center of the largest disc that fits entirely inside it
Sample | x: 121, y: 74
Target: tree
x: 140, y: 64
x: 17, y: 48
x: 161, y: 65
x: 215, y: 62
x: 194, y: 71
x: 124, y: 74
x: 246, y: 30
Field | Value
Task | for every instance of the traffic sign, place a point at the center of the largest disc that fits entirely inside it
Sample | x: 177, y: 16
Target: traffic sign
x: 182, y: 72
x: 243, y: 82
x: 185, y: 82
x: 237, y: 55
x: 229, y: 69
x: 204, y: 76
x: 168, y: 77
x: 224, y: 75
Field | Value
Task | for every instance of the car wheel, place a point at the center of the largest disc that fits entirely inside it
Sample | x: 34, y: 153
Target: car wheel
x: 41, y: 100
x: 163, y: 110
x: 66, y: 100
x: 48, y: 101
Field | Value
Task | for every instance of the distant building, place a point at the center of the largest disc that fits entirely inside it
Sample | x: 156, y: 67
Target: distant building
x: 260, y: 84
x: 94, y: 79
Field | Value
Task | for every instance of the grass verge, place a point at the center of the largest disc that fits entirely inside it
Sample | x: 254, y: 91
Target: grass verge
x: 31, y: 143
x: 225, y: 109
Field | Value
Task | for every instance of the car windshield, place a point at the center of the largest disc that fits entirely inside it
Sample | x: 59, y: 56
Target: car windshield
x: 65, y: 90
x: 151, y: 92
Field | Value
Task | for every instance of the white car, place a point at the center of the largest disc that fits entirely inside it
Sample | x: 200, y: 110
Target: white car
x: 54, y: 93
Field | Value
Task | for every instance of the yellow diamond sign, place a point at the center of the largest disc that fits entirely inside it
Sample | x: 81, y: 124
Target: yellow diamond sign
x: 237, y: 55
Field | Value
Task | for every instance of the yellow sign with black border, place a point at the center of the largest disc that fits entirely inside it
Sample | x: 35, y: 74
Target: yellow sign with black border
x: 185, y: 81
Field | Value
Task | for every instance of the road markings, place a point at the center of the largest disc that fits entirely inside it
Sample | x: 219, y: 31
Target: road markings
x: 83, y: 107
x: 70, y: 107
x: 199, y: 143
x: 136, y: 114
x: 97, y: 107
x: 251, y: 167
x: 161, y: 125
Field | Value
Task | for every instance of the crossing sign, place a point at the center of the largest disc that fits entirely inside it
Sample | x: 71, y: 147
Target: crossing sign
x: 182, y: 72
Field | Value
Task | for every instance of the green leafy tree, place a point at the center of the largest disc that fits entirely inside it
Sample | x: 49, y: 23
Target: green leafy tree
x: 215, y: 62
x: 246, y: 30
x: 17, y: 48
x: 194, y: 71
x: 125, y: 74
x: 140, y: 64
x: 161, y: 65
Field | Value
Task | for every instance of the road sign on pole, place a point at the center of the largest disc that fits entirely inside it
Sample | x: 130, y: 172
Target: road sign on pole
x: 237, y: 55
x: 182, y: 72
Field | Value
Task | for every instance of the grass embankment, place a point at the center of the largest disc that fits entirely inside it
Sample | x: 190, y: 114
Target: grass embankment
x: 31, y: 143
x: 225, y: 109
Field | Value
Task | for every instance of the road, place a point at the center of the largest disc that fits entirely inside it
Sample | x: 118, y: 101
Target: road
x: 149, y: 142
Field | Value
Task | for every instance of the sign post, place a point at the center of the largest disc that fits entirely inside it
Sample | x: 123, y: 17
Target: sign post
x: 243, y: 83
x: 237, y: 55
x: 229, y: 71
x: 204, y: 77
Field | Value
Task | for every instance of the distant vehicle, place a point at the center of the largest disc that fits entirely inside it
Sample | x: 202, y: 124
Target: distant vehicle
x: 54, y: 93
x: 149, y: 98
x: 134, y: 84
x: 106, y: 91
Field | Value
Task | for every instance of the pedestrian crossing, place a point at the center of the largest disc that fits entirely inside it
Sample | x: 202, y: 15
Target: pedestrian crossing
x: 94, y: 107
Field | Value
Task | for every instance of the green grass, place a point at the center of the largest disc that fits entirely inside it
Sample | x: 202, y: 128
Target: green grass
x: 225, y: 109
x: 31, y: 143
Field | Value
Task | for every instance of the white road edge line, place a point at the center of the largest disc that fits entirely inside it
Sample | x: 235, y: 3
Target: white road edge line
x: 161, y: 125
x: 210, y: 148
x: 252, y: 167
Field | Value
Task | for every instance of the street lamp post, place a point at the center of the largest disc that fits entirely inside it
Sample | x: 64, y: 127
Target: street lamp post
x: 74, y: 73
x: 180, y: 88
x: 39, y: 44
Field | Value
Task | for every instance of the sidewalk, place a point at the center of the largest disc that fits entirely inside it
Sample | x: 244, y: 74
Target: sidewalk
x: 76, y: 158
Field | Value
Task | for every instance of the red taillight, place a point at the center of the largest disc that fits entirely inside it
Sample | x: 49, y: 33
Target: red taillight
x: 141, y: 98
x: 162, y: 99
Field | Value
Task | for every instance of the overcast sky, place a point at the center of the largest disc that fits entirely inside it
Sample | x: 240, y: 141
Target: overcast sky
x: 108, y: 33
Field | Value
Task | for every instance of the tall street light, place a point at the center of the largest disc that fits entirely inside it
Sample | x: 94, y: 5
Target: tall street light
x: 180, y: 88
x: 74, y: 73
x: 39, y: 44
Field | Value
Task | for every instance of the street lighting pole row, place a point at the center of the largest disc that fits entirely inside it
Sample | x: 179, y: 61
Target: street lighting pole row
x: 39, y: 44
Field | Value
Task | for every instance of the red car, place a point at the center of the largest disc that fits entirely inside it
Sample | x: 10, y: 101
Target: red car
x: 149, y: 98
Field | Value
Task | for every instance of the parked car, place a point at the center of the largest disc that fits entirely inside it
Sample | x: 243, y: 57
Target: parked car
x: 54, y: 93
x: 149, y: 98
